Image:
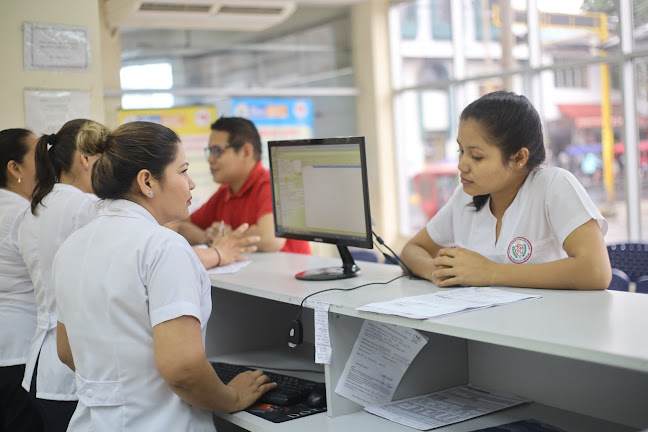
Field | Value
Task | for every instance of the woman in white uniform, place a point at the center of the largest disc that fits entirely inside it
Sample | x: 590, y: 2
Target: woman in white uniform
x: 17, y: 303
x: 61, y: 204
x: 511, y: 222
x: 134, y: 299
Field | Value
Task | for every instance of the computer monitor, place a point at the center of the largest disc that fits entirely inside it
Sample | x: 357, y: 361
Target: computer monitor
x: 320, y: 193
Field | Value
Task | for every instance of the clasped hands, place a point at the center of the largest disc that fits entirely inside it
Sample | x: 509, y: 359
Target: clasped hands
x: 460, y: 266
x: 232, y: 243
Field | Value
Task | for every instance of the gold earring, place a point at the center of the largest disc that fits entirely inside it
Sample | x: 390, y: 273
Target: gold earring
x: 19, y: 180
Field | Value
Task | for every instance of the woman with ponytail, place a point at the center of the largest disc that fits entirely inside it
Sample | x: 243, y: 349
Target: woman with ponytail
x: 132, y: 317
x: 17, y: 303
x: 61, y: 204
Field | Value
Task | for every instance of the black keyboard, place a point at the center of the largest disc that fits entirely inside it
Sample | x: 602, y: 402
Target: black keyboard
x: 289, y: 391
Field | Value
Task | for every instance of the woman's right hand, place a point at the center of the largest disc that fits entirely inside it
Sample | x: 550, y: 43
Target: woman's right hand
x: 250, y: 386
x: 232, y: 245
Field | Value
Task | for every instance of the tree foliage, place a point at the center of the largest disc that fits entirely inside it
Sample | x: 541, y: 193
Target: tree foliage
x: 610, y: 7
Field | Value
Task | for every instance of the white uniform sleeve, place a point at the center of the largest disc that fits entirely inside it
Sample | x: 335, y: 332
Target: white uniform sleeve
x: 441, y: 227
x: 568, y: 206
x: 174, y: 284
x: 88, y: 210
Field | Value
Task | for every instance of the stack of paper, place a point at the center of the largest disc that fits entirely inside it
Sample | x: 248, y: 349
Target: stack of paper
x: 446, y: 302
x: 381, y: 355
x: 445, y: 407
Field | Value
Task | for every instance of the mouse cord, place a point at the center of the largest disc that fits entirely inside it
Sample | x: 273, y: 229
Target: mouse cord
x: 393, y: 256
x: 301, y: 306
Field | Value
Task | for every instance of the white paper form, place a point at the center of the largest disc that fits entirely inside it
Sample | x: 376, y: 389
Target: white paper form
x: 446, y: 407
x: 445, y: 303
x: 322, y: 340
x: 380, y: 356
x: 229, y: 268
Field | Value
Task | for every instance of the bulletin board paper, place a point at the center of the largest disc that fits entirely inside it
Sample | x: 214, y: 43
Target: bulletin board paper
x: 47, y: 111
x: 56, y: 47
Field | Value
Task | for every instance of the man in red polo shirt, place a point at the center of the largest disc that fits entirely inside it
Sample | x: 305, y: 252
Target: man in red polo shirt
x: 245, y: 196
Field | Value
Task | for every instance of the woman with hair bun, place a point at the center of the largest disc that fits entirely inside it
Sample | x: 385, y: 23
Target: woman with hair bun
x: 132, y: 317
x: 511, y: 222
x: 17, y: 303
x: 62, y: 202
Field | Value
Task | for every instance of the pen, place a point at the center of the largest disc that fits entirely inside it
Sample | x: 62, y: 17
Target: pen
x: 222, y: 228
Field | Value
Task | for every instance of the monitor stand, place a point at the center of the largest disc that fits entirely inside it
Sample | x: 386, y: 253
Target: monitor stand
x: 349, y: 269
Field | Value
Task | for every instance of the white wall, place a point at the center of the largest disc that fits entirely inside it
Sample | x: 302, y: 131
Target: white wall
x: 14, y: 80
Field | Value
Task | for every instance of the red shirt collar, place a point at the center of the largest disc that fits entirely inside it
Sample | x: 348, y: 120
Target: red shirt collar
x: 251, y: 179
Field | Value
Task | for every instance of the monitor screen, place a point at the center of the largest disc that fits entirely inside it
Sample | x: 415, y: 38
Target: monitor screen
x: 320, y: 191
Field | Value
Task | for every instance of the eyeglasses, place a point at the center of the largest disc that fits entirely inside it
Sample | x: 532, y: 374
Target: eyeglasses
x: 215, y: 151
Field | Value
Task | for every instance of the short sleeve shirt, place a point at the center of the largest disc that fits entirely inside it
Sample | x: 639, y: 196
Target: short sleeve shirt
x: 64, y: 210
x: 109, y: 299
x: 252, y: 201
x: 17, y: 302
x: 549, y: 206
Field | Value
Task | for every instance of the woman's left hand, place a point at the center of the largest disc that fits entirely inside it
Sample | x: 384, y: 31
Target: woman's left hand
x: 462, y: 267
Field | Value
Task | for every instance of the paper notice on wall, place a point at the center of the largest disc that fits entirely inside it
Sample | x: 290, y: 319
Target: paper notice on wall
x: 381, y: 355
x: 56, y: 47
x: 47, y: 111
x: 323, y: 349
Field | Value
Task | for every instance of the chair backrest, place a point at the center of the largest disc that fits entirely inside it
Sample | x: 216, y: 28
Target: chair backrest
x: 364, y: 255
x: 620, y: 281
x: 642, y: 285
x: 632, y: 258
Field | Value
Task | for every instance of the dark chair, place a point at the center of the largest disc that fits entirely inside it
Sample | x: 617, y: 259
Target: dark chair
x: 620, y: 281
x: 642, y: 285
x: 363, y: 255
x: 631, y: 258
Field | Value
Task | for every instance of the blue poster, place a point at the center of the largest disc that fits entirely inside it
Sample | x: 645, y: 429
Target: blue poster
x: 275, y: 111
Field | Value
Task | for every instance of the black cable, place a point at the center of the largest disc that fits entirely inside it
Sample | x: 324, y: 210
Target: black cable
x: 395, y: 255
x: 388, y: 257
x: 301, y: 306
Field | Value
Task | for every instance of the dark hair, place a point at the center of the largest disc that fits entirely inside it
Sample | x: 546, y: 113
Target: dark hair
x: 124, y: 152
x: 54, y: 155
x: 509, y: 122
x: 241, y: 131
x: 13, y: 147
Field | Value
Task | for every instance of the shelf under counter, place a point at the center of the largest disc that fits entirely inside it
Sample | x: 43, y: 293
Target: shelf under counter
x: 364, y: 421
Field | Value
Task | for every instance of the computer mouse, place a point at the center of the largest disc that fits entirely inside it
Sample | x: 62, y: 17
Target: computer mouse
x: 317, y: 397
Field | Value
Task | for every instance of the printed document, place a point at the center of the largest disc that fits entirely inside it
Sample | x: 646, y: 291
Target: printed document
x: 444, y: 303
x: 381, y: 355
x: 445, y: 407
x: 229, y: 268
x: 322, y: 340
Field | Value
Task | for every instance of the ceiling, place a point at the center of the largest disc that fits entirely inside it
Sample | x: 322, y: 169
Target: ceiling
x: 150, y: 43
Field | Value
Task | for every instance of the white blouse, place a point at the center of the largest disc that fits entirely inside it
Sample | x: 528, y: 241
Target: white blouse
x: 549, y: 206
x: 116, y: 279
x: 64, y: 210
x: 17, y: 302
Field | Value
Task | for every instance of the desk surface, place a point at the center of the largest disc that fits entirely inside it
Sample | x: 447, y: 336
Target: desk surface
x: 606, y: 327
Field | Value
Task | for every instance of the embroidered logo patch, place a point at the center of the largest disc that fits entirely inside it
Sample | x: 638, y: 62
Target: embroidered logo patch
x: 519, y: 250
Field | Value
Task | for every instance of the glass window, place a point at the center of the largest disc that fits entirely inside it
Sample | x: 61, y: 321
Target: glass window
x: 577, y: 95
x: 571, y: 77
x: 571, y: 29
x: 641, y: 70
x: 147, y: 76
x: 483, y: 15
x: 441, y: 19
x: 409, y: 21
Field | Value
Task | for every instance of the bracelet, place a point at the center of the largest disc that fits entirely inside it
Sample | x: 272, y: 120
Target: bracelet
x: 219, y: 257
